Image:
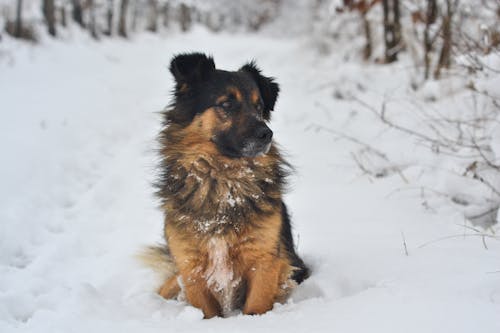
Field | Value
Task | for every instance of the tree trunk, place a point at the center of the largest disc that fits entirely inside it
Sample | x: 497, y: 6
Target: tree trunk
x: 109, y: 18
x: 165, y: 12
x: 135, y: 16
x: 153, y: 16
x: 392, y: 29
x: 445, y: 54
x: 430, y: 19
x: 92, y: 20
x: 367, y: 50
x: 122, y: 23
x: 49, y: 13
x: 62, y: 12
x: 185, y: 17
x: 18, y: 31
x: 77, y: 13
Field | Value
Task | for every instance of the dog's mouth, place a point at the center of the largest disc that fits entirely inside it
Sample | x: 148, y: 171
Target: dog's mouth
x: 250, y: 148
x: 255, y: 149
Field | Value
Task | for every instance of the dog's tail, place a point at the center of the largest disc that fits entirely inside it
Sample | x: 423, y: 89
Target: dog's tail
x: 159, y: 259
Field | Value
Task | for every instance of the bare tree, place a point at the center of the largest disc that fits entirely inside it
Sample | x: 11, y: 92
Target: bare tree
x: 62, y: 14
x: 18, y: 31
x: 363, y: 7
x: 392, y: 29
x: 367, y: 50
x: 165, y: 10
x: 152, y: 15
x: 445, y: 53
x: 135, y: 15
x: 122, y: 23
x: 49, y: 13
x: 185, y: 17
x: 17, y: 27
x: 430, y: 19
x: 92, y: 19
x: 77, y: 13
x: 109, y: 18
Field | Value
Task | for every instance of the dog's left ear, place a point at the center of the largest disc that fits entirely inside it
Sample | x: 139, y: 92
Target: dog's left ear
x: 189, y: 68
x: 268, y: 88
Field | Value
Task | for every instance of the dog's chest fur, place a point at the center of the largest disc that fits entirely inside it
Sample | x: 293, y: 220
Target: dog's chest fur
x: 211, y: 196
x: 216, y: 204
x: 220, y: 274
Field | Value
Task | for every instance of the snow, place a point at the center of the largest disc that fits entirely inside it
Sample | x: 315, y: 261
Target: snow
x: 79, y: 120
x: 230, y: 199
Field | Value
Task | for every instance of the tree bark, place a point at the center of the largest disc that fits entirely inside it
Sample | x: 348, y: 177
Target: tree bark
x: 430, y: 19
x: 109, y: 18
x: 92, y: 19
x: 367, y: 50
x: 62, y: 12
x: 77, y: 13
x: 392, y: 29
x: 135, y: 16
x: 49, y: 13
x: 445, y: 54
x: 153, y: 16
x: 185, y: 17
x: 165, y: 12
x: 122, y: 23
x: 18, y: 31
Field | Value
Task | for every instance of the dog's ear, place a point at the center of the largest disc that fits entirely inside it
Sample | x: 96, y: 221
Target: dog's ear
x: 268, y: 88
x: 189, y: 68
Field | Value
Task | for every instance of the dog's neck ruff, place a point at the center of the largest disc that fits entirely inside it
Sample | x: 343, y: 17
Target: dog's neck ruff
x: 214, y: 194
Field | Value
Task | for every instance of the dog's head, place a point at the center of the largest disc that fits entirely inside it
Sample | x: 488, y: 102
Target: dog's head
x: 228, y: 109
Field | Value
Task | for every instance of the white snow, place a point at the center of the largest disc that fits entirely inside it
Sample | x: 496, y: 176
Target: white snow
x: 77, y: 138
x: 230, y: 199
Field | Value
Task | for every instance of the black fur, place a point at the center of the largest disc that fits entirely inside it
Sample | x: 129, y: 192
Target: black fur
x: 191, y: 67
x: 198, y: 84
x: 302, y: 272
x: 172, y: 187
x: 269, y: 89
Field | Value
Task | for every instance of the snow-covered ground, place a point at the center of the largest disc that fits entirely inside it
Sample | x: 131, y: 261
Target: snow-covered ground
x: 77, y: 138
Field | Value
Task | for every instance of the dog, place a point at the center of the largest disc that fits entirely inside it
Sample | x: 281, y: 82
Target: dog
x: 228, y: 232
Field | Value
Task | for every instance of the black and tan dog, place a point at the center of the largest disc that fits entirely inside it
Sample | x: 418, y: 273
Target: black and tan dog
x: 229, y: 240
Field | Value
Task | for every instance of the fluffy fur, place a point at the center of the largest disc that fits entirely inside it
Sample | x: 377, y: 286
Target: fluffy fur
x: 229, y: 241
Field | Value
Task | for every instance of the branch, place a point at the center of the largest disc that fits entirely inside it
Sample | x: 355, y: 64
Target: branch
x: 458, y: 236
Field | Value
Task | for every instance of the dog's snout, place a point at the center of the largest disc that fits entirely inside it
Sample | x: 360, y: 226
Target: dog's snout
x: 264, y: 134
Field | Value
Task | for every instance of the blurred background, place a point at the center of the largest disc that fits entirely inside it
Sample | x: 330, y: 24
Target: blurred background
x: 440, y: 28
x: 389, y: 110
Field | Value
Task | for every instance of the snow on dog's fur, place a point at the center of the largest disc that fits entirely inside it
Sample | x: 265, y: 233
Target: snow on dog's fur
x: 229, y: 241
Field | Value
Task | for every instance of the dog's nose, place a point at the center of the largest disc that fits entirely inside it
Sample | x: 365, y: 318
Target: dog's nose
x: 264, y: 134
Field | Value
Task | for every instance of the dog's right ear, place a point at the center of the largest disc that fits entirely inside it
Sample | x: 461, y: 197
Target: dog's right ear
x: 189, y: 68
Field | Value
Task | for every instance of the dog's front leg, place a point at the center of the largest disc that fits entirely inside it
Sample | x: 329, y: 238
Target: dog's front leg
x: 198, y: 295
x: 262, y: 284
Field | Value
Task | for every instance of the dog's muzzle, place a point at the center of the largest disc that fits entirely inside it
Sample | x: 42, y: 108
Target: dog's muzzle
x: 260, y: 143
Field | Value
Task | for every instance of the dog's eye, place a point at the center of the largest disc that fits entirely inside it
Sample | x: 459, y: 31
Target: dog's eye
x: 226, y: 105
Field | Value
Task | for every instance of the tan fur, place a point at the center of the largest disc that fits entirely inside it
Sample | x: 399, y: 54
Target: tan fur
x: 255, y: 96
x: 255, y: 258
x: 221, y: 99
x: 160, y: 260
x: 219, y: 257
x: 236, y: 92
x: 170, y: 288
